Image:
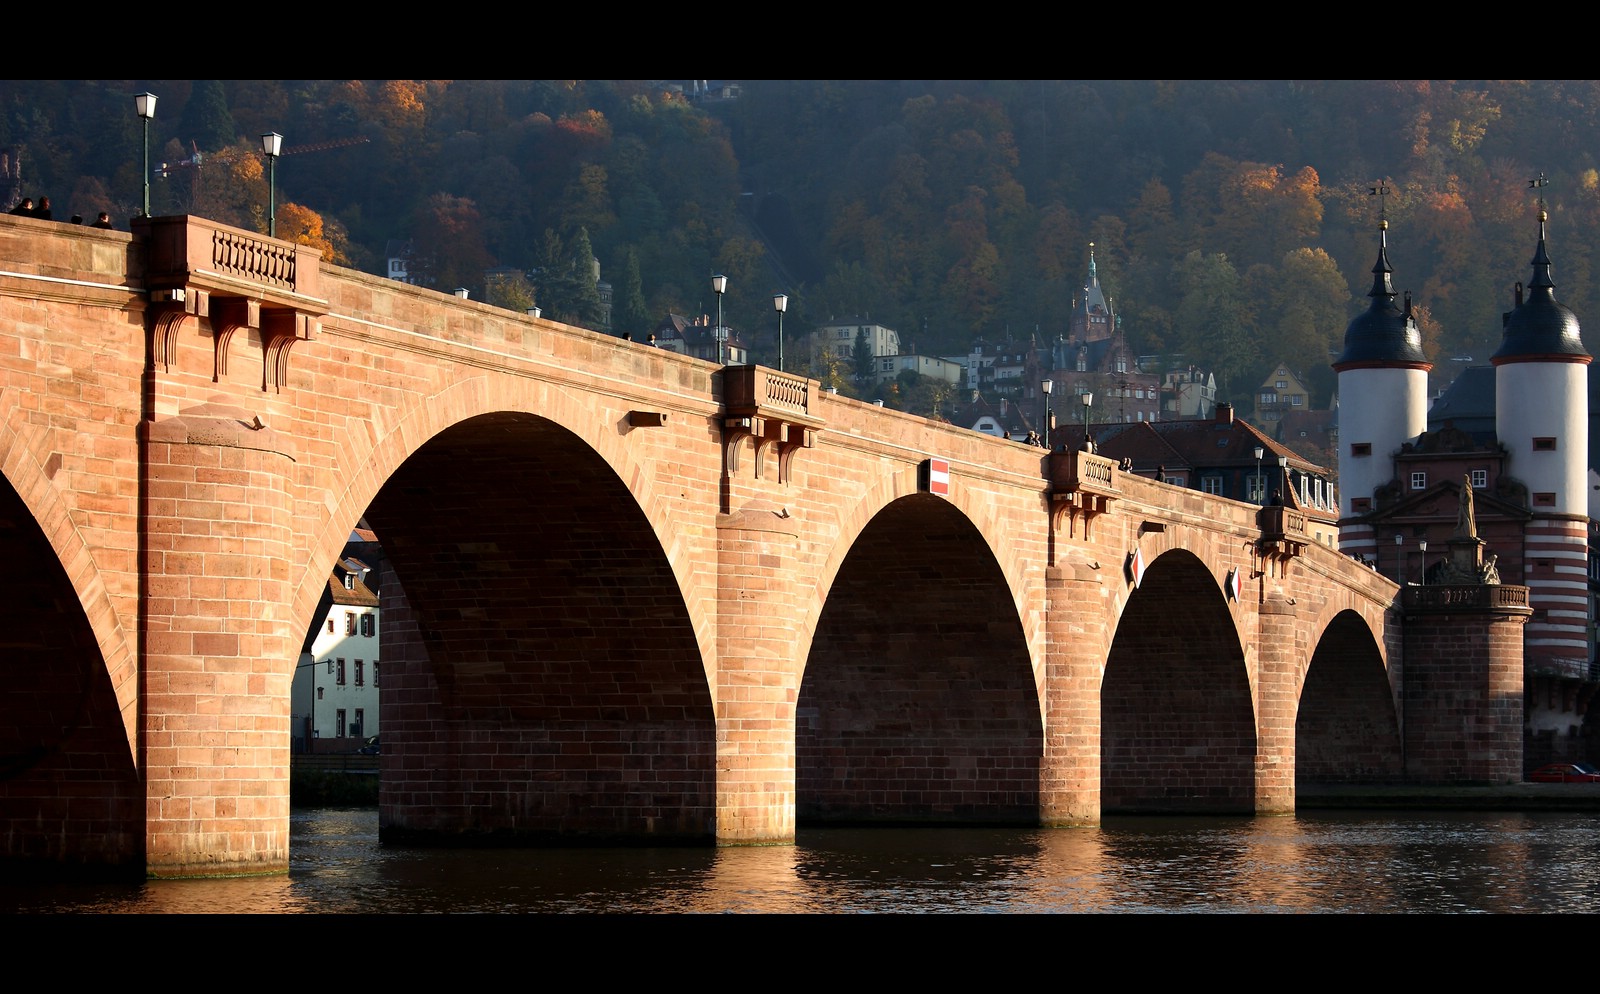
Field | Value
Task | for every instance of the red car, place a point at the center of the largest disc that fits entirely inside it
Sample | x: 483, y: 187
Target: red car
x: 1565, y: 773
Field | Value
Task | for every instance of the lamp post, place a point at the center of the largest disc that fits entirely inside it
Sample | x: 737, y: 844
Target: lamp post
x: 272, y: 145
x: 1045, y: 385
x: 719, y: 286
x: 1261, y: 497
x: 1422, y: 546
x: 1283, y: 470
x: 145, y: 104
x: 780, y: 303
x: 1399, y: 559
x: 1088, y: 439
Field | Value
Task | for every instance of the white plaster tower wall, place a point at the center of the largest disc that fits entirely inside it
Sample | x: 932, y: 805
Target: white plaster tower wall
x: 1383, y: 408
x: 1542, y: 418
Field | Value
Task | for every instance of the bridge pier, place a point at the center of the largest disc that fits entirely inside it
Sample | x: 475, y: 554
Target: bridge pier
x: 1277, y: 658
x: 1075, y: 653
x: 757, y: 675
x: 1462, y: 702
x: 216, y: 525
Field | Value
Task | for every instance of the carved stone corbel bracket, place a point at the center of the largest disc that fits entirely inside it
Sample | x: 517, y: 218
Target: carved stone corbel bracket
x: 169, y: 309
x: 228, y: 316
x: 796, y: 437
x: 280, y: 330
x: 734, y: 432
x: 1275, y: 555
x: 1078, y: 506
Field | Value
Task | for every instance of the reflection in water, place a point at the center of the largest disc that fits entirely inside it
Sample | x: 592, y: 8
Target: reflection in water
x: 1323, y: 863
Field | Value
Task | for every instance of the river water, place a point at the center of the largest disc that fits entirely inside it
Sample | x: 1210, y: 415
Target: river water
x: 1319, y: 863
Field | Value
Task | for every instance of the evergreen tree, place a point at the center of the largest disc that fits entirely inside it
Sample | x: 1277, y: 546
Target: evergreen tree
x: 583, y: 282
x: 632, y: 314
x: 863, y: 357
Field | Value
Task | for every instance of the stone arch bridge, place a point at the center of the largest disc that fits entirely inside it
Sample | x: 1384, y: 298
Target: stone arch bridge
x: 629, y: 594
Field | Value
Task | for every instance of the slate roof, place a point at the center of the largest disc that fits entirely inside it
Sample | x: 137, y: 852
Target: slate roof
x: 1540, y: 328
x: 1385, y: 334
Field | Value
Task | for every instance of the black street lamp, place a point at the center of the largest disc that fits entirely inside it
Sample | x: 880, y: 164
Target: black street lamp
x: 1422, y: 547
x: 780, y: 303
x: 272, y: 145
x: 1045, y: 385
x: 145, y: 104
x: 1261, y: 497
x: 1088, y: 439
x: 719, y: 286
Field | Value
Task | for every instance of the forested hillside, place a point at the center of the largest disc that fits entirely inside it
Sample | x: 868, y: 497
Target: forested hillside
x: 1233, y: 220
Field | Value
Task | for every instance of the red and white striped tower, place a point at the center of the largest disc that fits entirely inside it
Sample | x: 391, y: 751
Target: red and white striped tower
x: 1542, y: 420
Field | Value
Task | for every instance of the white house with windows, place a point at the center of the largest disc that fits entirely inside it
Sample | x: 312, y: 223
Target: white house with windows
x: 334, y: 696
x: 839, y: 338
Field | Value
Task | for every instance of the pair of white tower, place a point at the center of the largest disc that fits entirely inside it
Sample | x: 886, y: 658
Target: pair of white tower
x: 1541, y: 422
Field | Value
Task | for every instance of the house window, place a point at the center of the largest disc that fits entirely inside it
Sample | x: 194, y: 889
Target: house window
x: 330, y: 624
x: 1361, y: 505
x: 338, y: 721
x: 1419, y: 481
x: 361, y: 673
x: 1295, y: 400
x: 1480, y: 479
x: 1359, y: 449
x: 349, y: 581
x: 1544, y: 500
x: 1281, y: 385
x: 1211, y: 484
x: 369, y: 625
x: 1544, y: 445
x: 349, y: 622
x: 1176, y: 481
x: 1255, y: 486
x: 1122, y: 364
x: 339, y: 672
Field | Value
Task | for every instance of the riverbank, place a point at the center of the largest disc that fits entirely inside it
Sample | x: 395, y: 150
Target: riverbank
x: 1498, y: 797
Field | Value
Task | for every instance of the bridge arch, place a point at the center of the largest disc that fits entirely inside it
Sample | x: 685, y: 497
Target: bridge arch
x: 364, y: 468
x: 1347, y: 722
x: 541, y: 676
x: 19, y: 463
x: 1020, y: 565
x: 70, y: 790
x: 1178, y: 729
x: 918, y: 701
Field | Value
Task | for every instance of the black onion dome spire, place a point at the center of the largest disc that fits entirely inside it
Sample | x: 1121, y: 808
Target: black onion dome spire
x: 1386, y: 335
x: 1539, y: 326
